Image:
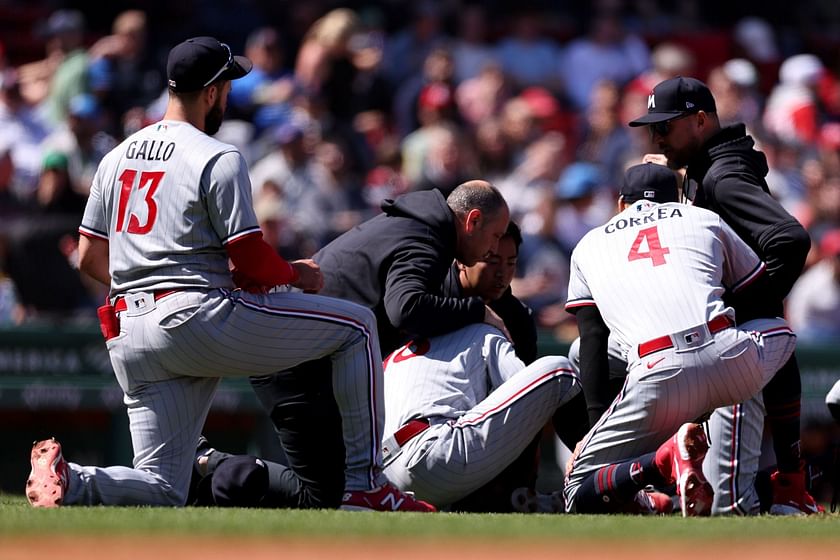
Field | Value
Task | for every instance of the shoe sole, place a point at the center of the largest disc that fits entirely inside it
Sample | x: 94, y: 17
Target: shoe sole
x: 44, y: 487
x: 356, y: 508
x: 695, y: 492
x: 695, y: 495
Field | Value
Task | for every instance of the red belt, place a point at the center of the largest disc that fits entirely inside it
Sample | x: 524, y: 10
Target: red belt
x: 409, y: 430
x: 663, y: 342
x: 120, y: 305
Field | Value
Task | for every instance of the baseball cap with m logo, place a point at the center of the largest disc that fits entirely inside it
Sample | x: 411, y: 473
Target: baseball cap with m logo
x: 675, y: 98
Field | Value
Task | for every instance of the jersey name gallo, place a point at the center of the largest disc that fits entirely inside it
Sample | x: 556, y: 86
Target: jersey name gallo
x: 151, y: 150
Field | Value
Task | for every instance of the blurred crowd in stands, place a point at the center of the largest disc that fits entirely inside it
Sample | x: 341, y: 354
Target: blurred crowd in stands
x: 347, y: 106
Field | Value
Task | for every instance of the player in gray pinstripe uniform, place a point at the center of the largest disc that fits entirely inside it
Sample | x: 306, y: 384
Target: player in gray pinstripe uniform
x: 732, y: 462
x: 654, y: 277
x: 167, y: 209
x: 459, y: 408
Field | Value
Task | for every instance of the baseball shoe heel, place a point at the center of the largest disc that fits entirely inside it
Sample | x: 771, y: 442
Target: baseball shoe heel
x: 790, y: 497
x: 384, y: 498
x: 680, y: 461
x: 47, y: 482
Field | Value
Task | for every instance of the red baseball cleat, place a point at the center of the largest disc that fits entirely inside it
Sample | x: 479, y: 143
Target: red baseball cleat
x: 384, y: 498
x: 790, y: 496
x: 654, y: 503
x: 680, y: 460
x: 47, y: 482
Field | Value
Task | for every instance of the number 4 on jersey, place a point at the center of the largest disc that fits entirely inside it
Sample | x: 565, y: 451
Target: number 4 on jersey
x: 150, y: 179
x: 655, y: 252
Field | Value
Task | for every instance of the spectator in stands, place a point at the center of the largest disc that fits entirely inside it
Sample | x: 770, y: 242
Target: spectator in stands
x: 22, y: 131
x: 529, y: 186
x: 267, y: 89
x: 520, y: 127
x: 755, y: 39
x: 813, y: 306
x: 735, y: 87
x: 447, y: 163
x: 493, y: 155
x: 10, y: 205
x: 482, y: 96
x: 582, y: 203
x: 604, y: 140
x: 471, y: 48
x: 792, y: 113
x: 125, y: 72
x: 337, y: 203
x: 608, y: 52
x: 49, y: 229
x: 291, y: 173
x: 407, y: 50
x: 527, y: 55
x: 82, y: 140
x: 65, y: 31
x: 437, y: 69
x: 435, y: 109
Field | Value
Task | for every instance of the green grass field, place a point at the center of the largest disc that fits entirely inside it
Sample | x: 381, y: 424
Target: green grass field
x: 18, y: 519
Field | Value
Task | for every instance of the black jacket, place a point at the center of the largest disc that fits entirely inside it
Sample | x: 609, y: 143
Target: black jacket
x: 728, y: 179
x: 518, y: 317
x: 395, y: 264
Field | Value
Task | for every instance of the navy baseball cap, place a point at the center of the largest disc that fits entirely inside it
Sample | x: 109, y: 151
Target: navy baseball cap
x: 649, y: 181
x: 198, y: 62
x: 674, y: 98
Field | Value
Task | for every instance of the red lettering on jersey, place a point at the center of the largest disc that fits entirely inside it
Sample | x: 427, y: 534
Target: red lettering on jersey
x: 150, y: 179
x: 656, y: 252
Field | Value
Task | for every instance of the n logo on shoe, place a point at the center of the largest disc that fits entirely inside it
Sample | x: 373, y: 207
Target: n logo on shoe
x: 394, y: 502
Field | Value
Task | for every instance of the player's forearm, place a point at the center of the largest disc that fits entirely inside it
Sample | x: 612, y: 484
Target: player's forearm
x: 426, y: 315
x: 93, y: 258
x: 785, y: 253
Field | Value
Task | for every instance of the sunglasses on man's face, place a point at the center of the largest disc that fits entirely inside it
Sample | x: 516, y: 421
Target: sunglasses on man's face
x: 665, y: 127
x: 224, y: 68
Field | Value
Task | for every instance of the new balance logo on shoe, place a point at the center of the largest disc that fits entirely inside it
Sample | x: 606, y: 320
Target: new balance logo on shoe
x: 384, y: 498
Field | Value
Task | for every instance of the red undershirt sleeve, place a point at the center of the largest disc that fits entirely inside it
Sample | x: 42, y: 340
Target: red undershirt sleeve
x: 257, y: 260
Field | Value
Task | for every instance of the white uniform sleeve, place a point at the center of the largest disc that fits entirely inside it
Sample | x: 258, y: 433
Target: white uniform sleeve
x: 741, y: 266
x: 579, y: 293
x: 501, y: 360
x: 94, y: 220
x: 229, y: 202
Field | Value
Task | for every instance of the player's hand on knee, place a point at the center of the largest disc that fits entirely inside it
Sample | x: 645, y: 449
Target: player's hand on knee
x: 310, y: 279
x: 492, y: 318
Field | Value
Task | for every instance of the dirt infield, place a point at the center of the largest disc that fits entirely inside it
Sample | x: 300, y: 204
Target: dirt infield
x: 260, y: 548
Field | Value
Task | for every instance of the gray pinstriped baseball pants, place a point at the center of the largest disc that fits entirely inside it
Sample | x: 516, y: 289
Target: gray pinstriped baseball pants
x: 170, y: 355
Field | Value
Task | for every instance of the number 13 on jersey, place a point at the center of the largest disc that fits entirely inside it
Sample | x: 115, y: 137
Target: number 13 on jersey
x: 655, y: 251
x: 148, y: 183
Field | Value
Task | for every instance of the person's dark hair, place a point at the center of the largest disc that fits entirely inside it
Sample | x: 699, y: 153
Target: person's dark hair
x: 476, y: 194
x: 514, y: 233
